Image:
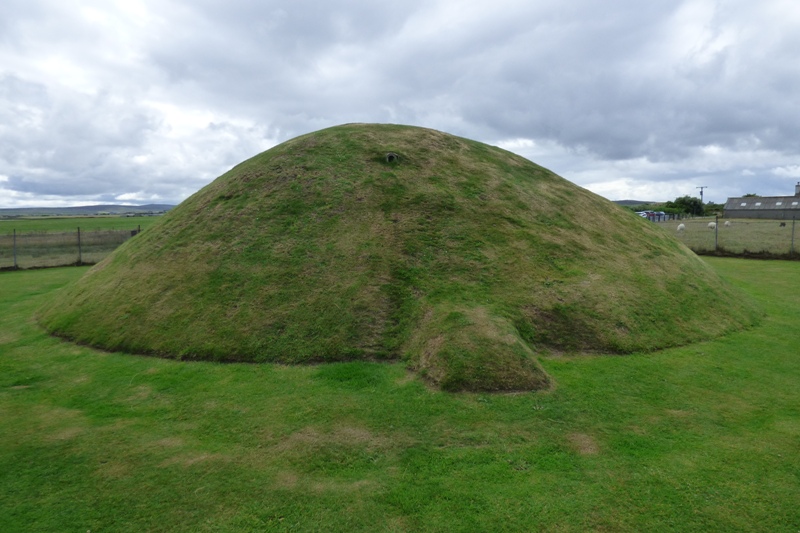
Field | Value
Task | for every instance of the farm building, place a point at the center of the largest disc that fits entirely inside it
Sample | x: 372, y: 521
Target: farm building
x: 772, y: 207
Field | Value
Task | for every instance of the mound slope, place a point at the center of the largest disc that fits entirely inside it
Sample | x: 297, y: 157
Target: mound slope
x: 383, y: 241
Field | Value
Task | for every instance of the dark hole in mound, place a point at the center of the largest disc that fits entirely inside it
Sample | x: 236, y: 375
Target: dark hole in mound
x: 392, y: 157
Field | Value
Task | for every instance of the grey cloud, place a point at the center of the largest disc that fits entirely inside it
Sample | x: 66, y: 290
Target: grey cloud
x: 607, y: 83
x: 66, y: 126
x: 53, y: 144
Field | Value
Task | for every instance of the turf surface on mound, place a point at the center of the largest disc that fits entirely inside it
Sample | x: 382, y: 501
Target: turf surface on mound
x: 383, y: 241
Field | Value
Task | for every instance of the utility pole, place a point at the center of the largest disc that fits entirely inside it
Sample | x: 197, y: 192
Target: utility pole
x: 702, y: 205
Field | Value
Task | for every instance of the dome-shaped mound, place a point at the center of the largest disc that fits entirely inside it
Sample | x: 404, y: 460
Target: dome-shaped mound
x: 382, y: 241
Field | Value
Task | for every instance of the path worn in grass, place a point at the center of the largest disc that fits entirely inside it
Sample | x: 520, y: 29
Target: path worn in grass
x: 702, y: 438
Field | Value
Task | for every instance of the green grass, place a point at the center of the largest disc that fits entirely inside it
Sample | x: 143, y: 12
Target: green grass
x: 462, y: 259
x: 700, y: 438
x: 62, y: 224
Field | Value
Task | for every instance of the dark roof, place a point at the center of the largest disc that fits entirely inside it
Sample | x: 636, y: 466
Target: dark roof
x: 763, y: 203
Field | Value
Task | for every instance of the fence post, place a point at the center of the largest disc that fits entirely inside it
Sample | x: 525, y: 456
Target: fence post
x: 791, y: 249
x: 15, y: 249
x: 716, y: 232
x: 80, y: 256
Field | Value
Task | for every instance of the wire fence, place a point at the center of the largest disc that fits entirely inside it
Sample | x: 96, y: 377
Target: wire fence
x: 703, y: 235
x: 49, y: 249
x: 664, y: 217
x: 738, y: 237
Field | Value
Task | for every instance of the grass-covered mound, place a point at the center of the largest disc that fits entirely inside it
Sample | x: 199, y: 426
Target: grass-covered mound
x: 382, y: 241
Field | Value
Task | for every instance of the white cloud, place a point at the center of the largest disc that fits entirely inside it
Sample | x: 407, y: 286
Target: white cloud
x: 139, y: 196
x: 789, y: 171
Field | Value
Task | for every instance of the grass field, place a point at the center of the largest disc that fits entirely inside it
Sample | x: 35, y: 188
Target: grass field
x: 742, y: 237
x: 62, y: 224
x: 700, y: 438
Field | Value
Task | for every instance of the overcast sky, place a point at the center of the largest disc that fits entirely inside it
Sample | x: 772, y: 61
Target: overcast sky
x: 146, y: 101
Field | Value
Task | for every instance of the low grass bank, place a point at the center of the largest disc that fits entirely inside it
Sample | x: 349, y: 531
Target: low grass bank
x: 700, y: 438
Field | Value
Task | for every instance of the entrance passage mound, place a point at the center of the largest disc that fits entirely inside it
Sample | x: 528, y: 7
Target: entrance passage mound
x: 379, y: 242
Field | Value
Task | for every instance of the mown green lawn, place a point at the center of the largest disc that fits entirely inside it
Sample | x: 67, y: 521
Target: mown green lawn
x: 85, y: 223
x: 701, y: 438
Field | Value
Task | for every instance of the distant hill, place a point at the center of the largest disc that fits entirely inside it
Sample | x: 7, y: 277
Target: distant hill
x: 629, y: 203
x: 85, y: 210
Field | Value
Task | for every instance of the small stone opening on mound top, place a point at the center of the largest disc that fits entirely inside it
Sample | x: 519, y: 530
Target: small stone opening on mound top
x: 469, y: 263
